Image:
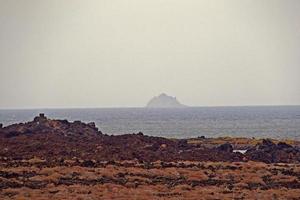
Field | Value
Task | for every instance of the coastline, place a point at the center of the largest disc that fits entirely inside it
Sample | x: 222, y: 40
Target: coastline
x: 58, y: 159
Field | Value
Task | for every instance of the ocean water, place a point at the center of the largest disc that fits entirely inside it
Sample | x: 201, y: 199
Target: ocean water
x: 259, y: 122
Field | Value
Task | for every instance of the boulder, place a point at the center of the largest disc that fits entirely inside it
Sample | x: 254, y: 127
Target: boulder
x: 140, y: 133
x: 225, y: 148
x: 182, y: 144
x: 269, y: 152
x: 40, y: 118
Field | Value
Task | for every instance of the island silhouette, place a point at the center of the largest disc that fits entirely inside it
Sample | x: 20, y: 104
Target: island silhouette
x: 164, y: 101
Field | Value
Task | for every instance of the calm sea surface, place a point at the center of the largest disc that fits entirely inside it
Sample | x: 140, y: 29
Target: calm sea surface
x: 261, y: 121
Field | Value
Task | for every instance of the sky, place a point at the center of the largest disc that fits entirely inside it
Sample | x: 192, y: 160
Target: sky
x: 121, y: 53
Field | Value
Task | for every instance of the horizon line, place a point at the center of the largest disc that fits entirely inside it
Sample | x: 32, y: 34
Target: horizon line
x: 128, y: 107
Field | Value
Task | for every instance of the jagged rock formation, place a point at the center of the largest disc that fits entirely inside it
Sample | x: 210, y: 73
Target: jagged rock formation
x: 164, y: 101
x: 60, y: 139
x: 270, y: 152
x: 42, y: 125
x: 226, y: 147
x: 58, y: 159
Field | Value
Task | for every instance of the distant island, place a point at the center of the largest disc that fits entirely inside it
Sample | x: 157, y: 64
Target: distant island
x: 164, y: 101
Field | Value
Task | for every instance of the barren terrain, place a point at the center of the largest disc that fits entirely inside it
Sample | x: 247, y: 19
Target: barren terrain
x: 57, y: 159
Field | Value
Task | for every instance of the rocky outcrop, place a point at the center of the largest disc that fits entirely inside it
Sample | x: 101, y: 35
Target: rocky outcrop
x: 269, y: 152
x: 226, y: 148
x: 164, y: 101
x: 42, y: 125
x: 58, y: 140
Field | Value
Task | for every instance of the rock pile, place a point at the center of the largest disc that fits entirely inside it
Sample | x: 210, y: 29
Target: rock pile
x: 41, y: 124
x: 270, y: 152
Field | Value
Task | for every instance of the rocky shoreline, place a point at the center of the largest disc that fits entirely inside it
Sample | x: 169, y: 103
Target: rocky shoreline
x: 58, y: 159
x: 60, y: 139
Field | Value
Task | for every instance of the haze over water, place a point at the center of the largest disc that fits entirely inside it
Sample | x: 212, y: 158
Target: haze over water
x: 57, y: 54
x: 262, y: 121
x: 89, y: 54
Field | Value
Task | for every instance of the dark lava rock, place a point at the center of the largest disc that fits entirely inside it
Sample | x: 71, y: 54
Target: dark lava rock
x: 283, y: 145
x: 182, y: 144
x: 60, y: 139
x: 267, y: 145
x: 40, y: 118
x: 140, y: 134
x: 88, y: 163
x: 92, y: 124
x: 42, y: 125
x: 270, y: 152
x: 267, y: 142
x: 225, y: 147
x: 63, y: 140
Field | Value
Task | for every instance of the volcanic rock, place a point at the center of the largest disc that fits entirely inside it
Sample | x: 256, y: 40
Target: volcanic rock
x: 61, y: 140
x: 183, y: 144
x: 269, y: 152
x: 282, y: 145
x: 41, y: 124
x: 226, y: 148
x: 57, y: 140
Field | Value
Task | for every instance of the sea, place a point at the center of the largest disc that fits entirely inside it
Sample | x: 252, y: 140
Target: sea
x: 281, y: 122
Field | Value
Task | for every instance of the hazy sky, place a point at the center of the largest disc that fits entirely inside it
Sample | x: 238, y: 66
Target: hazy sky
x: 105, y: 53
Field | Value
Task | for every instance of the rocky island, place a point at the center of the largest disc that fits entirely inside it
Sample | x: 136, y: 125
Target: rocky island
x: 164, y: 101
x: 58, y: 159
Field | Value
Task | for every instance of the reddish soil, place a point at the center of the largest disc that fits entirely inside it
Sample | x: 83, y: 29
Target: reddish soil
x: 35, y: 179
x: 57, y: 159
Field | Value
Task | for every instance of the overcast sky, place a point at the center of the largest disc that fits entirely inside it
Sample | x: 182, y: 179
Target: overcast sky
x: 106, y: 53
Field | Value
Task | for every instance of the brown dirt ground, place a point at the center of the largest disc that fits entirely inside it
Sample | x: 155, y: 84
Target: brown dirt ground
x: 35, y: 179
